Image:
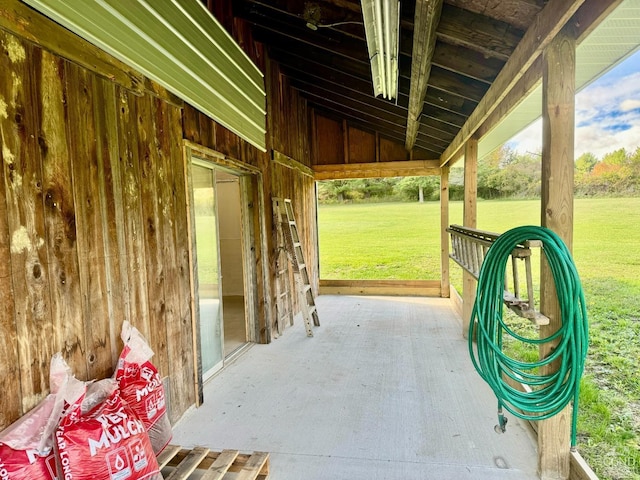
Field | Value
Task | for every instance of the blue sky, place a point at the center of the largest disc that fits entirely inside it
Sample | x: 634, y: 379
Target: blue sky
x: 607, y: 114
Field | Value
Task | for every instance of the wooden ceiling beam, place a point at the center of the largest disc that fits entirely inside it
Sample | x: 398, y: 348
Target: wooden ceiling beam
x: 449, y: 102
x: 295, y: 12
x: 316, y: 58
x: 337, y: 43
x: 456, y: 84
x: 452, y: 108
x: 403, y: 168
x: 427, y: 17
x: 546, y: 26
x: 431, y: 130
x: 490, y: 37
x: 513, y: 12
x: 315, y: 92
x: 444, y: 112
x: 590, y: 16
x: 346, y: 4
x: 464, y: 61
x: 339, y: 93
x: 298, y: 68
x: 430, y: 135
x: 322, y: 54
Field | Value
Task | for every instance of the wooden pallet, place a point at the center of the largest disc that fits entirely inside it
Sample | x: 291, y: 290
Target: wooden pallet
x: 177, y: 463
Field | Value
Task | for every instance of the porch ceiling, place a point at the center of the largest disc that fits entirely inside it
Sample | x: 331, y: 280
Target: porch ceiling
x: 484, y: 60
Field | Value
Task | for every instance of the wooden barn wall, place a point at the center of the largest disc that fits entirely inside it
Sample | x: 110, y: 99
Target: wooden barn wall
x: 93, y: 212
x: 336, y: 142
x: 288, y: 134
x: 92, y: 227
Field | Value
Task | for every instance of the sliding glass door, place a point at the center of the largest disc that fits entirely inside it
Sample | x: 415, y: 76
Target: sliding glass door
x: 208, y: 268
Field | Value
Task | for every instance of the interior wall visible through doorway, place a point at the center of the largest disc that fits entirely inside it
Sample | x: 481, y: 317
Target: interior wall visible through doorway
x: 231, y: 260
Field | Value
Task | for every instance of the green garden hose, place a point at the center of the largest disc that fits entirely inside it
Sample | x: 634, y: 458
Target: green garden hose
x: 548, y: 393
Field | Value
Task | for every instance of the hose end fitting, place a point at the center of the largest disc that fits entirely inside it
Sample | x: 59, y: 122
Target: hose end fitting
x: 501, y: 427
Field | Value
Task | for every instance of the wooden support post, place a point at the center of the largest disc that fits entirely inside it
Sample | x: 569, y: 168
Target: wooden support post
x: 444, y: 236
x: 558, y: 107
x: 469, y: 220
x: 345, y: 137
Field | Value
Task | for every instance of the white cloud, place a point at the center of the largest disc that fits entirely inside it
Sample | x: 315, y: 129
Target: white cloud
x: 630, y: 104
x: 607, y: 119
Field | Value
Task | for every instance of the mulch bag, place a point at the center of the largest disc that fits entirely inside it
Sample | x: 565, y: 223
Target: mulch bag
x: 26, y: 446
x: 141, y: 386
x: 100, y: 437
x: 19, y: 455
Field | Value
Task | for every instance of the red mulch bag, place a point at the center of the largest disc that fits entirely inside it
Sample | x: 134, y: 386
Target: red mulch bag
x: 19, y: 455
x: 141, y: 387
x: 26, y: 446
x: 108, y: 442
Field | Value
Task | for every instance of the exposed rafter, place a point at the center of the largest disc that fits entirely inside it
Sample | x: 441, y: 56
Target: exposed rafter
x: 427, y: 16
x: 454, y: 79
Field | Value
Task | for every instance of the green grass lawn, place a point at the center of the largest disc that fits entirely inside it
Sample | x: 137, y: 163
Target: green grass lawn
x: 402, y: 241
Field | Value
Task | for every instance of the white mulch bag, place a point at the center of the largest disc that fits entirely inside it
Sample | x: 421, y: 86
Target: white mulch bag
x: 101, y: 437
x: 26, y: 446
x: 141, y: 386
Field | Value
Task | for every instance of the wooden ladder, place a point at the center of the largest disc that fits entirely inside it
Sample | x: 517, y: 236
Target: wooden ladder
x: 288, y: 229
x: 284, y: 303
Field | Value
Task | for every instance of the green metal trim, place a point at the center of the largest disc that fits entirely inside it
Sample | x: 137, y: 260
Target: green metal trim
x: 178, y: 44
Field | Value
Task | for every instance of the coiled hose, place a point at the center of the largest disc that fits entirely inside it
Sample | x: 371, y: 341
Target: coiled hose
x: 549, y: 393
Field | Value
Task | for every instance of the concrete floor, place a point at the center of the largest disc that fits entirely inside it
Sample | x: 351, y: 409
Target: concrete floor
x: 384, y: 390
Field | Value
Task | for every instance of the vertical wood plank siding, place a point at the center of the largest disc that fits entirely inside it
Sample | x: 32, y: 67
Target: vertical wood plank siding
x: 37, y: 336
x: 10, y: 364
x: 78, y: 169
x: 92, y: 226
x: 93, y: 215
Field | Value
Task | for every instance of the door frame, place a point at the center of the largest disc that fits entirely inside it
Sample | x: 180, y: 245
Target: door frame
x: 255, y: 250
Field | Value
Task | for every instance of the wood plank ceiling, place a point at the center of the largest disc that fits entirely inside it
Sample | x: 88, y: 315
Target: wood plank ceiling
x: 329, y: 65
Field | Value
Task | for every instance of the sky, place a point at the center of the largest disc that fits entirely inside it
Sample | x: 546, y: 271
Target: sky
x: 607, y: 114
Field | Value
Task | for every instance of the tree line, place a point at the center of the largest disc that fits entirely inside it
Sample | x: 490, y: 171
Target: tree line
x: 505, y: 173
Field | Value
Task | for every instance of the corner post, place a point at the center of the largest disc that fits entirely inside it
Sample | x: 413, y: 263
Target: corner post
x: 444, y: 236
x: 558, y: 126
x: 470, y: 219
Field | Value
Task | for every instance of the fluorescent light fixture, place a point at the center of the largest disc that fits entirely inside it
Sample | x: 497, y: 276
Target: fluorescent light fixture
x: 382, y: 29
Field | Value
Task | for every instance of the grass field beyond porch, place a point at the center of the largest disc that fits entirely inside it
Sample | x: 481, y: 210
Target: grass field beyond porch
x: 402, y: 241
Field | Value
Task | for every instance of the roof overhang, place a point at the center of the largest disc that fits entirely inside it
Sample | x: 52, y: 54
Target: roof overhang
x: 612, y: 41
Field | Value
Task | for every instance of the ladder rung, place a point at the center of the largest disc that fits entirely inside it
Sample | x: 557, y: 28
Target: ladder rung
x: 307, y: 288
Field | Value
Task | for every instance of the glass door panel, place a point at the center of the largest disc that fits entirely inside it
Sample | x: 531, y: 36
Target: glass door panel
x: 208, y: 269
